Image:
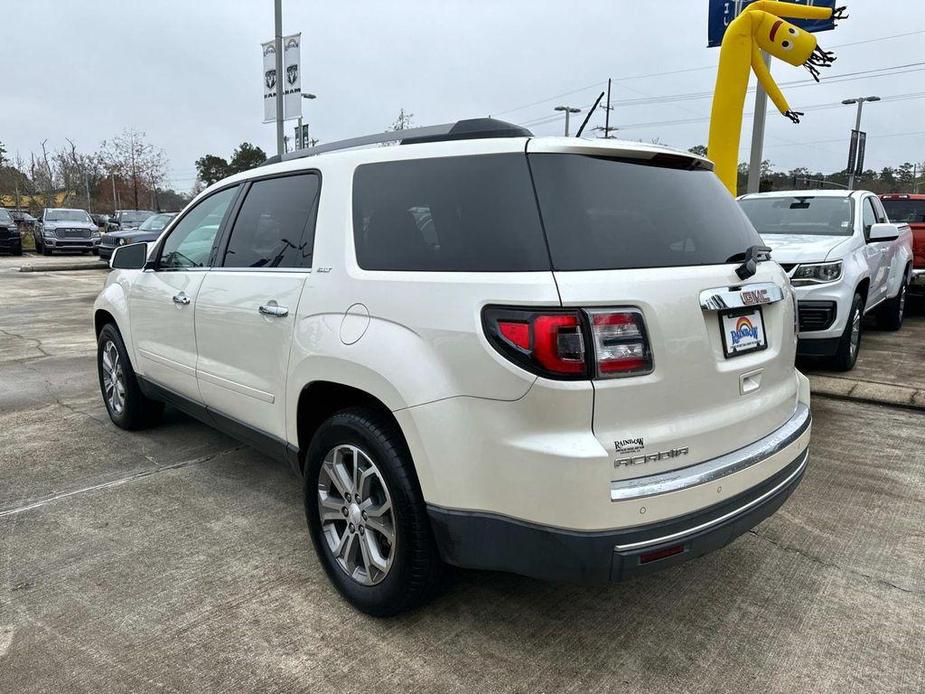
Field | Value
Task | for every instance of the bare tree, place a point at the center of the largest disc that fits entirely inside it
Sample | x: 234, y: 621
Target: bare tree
x: 132, y: 157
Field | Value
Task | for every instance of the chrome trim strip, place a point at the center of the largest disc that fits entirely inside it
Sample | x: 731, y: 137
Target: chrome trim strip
x: 746, y: 296
x: 236, y: 387
x: 717, y: 468
x: 169, y: 363
x: 716, y: 521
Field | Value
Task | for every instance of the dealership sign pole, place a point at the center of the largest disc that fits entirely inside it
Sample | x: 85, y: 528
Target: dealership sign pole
x: 722, y: 12
x: 282, y: 80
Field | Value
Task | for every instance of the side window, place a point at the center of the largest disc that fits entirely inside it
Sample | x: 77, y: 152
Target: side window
x: 276, y: 224
x: 870, y: 218
x: 189, y: 244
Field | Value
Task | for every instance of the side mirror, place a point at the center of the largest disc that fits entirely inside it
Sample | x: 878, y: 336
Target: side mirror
x: 883, y: 232
x: 134, y: 256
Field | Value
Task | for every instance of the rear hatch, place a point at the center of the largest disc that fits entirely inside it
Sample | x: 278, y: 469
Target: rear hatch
x: 659, y: 233
x: 910, y: 210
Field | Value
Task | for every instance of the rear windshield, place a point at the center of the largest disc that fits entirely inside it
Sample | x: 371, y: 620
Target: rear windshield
x: 824, y: 216
x: 479, y: 214
x: 908, y: 211
x: 474, y: 213
x: 603, y: 214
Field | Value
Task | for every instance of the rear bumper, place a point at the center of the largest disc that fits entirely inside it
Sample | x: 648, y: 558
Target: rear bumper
x: 484, y: 541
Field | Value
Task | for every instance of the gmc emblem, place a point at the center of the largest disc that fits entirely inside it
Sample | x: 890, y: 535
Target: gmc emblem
x: 751, y: 297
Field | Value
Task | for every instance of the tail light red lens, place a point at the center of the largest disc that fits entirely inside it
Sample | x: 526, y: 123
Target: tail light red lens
x: 571, y: 344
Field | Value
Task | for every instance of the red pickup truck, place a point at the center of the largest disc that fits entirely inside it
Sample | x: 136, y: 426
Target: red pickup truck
x: 910, y: 208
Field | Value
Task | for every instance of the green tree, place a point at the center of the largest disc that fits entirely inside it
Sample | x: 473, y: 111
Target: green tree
x: 212, y: 169
x: 699, y: 150
x: 246, y: 157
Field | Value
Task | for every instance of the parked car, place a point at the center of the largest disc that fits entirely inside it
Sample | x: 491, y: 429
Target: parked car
x: 10, y: 239
x: 589, y: 395
x: 25, y: 221
x: 910, y: 209
x: 149, y: 230
x: 124, y: 220
x: 844, y: 259
x: 62, y: 229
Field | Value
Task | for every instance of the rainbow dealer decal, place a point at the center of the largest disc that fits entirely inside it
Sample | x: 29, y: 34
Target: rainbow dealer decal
x: 743, y: 332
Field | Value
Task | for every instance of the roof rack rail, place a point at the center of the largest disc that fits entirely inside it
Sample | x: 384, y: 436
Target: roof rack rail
x: 470, y: 129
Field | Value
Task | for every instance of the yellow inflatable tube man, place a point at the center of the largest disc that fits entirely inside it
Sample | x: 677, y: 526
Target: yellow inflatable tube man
x: 759, y: 27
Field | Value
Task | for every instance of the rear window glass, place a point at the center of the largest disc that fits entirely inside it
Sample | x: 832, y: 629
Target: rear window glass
x: 475, y: 214
x: 604, y: 214
x: 908, y: 211
x: 808, y: 215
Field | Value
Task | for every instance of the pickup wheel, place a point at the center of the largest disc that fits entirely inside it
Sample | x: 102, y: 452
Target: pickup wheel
x: 127, y: 406
x: 891, y: 314
x: 850, y: 343
x: 366, y: 514
x: 45, y: 249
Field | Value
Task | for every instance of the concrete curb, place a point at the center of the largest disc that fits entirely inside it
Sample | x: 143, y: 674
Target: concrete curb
x: 868, y: 391
x: 62, y: 267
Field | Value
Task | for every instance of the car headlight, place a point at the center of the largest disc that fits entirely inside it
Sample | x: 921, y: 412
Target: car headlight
x: 121, y: 242
x: 95, y: 234
x: 816, y: 273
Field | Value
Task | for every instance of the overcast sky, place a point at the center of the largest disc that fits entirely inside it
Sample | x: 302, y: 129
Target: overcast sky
x: 188, y: 72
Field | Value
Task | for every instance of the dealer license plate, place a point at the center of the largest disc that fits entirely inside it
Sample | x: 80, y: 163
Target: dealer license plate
x: 743, y: 332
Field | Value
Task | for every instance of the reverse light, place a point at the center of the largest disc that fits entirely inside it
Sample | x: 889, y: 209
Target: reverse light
x: 620, y: 344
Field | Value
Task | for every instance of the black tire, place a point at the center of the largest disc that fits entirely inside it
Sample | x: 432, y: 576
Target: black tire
x: 890, y: 316
x: 45, y: 249
x: 136, y: 411
x: 17, y: 250
x: 849, y: 345
x: 415, y: 569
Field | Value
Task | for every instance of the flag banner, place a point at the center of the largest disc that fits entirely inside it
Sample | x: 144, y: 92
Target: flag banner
x: 290, y: 81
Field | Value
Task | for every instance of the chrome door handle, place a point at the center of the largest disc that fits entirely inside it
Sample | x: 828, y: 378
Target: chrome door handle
x: 274, y: 310
x: 181, y: 299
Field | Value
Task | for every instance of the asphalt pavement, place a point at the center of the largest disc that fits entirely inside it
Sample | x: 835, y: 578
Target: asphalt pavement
x: 178, y: 560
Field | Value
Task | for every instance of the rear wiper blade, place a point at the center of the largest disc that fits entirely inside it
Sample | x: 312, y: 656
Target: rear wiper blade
x: 750, y: 259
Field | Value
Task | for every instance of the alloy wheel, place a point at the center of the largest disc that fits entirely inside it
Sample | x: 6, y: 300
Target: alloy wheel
x: 855, y: 332
x: 357, y: 518
x: 113, y: 378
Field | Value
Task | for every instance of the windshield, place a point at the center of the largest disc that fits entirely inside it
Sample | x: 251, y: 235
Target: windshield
x: 908, y: 211
x: 134, y: 216
x: 608, y: 214
x: 155, y: 222
x: 5, y: 216
x: 67, y: 216
x: 805, y: 215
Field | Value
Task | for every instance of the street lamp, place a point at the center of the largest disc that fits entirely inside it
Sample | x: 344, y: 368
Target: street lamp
x: 860, y: 102
x: 568, y: 110
x: 301, y: 142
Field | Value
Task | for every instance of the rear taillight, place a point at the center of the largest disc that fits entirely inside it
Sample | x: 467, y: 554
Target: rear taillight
x: 571, y: 344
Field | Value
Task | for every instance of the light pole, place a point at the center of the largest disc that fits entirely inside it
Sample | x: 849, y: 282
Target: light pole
x: 300, y: 141
x: 857, y: 126
x: 568, y: 110
x: 278, y: 43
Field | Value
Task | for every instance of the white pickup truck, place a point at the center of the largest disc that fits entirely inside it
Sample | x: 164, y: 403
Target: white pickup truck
x: 844, y: 259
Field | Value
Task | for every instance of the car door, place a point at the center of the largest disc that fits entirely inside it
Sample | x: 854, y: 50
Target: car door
x: 247, y: 304
x: 163, y: 299
x: 876, y: 253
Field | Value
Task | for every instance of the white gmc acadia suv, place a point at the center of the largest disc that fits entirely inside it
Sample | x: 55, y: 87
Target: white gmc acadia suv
x: 845, y: 259
x: 563, y: 358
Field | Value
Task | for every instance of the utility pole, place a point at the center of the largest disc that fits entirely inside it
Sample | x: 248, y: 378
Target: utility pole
x: 115, y: 206
x: 280, y: 134
x: 568, y: 110
x: 87, y: 183
x: 761, y: 117
x: 607, y: 113
x: 857, y: 126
